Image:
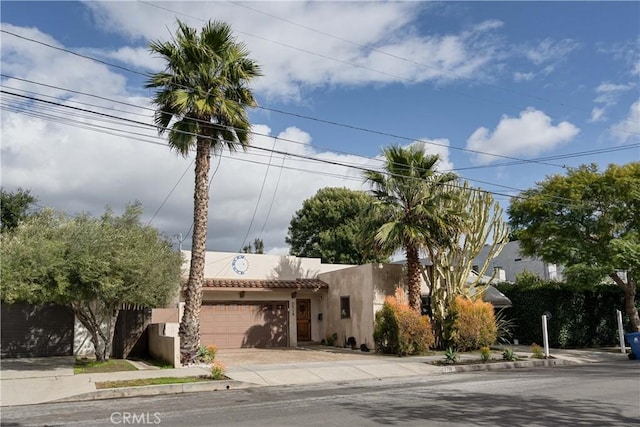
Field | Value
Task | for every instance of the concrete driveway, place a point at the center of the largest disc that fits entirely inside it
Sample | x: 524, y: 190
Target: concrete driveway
x: 37, y: 367
x: 265, y: 356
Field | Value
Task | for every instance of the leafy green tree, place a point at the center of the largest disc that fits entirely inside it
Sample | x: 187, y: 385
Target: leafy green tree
x: 203, y: 94
x: 257, y: 248
x: 331, y: 226
x: 93, y: 265
x: 14, y: 207
x: 588, y: 221
x: 411, y: 203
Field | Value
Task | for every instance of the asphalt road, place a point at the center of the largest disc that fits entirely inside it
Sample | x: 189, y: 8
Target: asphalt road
x: 586, y: 395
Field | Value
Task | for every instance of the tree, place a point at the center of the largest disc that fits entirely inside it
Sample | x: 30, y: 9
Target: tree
x: 411, y: 203
x: 483, y: 226
x: 258, y: 247
x: 14, y: 207
x: 93, y: 265
x: 331, y: 225
x: 588, y: 221
x: 203, y: 93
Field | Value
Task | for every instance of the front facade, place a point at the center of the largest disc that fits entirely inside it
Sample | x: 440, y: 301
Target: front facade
x: 252, y: 300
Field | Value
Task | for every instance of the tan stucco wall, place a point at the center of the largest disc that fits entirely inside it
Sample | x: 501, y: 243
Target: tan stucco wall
x: 367, y: 286
x: 357, y: 284
x: 163, y: 347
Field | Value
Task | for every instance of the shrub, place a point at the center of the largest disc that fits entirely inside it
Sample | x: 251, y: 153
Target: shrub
x: 207, y: 354
x: 400, y: 330
x: 537, y: 351
x: 474, y: 324
x: 582, y: 316
x: 509, y: 355
x: 485, y: 354
x: 450, y: 356
x: 331, y: 339
x: 505, y: 327
x: 217, y: 371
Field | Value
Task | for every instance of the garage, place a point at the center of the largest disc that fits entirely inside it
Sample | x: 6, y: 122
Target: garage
x: 247, y: 324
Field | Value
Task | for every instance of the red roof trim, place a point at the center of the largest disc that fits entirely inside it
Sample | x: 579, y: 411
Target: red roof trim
x: 266, y: 284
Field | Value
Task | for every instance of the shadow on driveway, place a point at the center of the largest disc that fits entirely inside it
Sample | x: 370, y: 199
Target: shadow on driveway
x: 37, y: 367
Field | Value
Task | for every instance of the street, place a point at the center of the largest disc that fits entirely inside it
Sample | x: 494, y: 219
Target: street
x: 599, y: 394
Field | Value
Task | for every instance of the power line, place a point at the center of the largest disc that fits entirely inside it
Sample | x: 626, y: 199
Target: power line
x: 392, y: 55
x: 381, y: 133
x: 557, y: 157
x: 309, y: 157
x: 373, y: 49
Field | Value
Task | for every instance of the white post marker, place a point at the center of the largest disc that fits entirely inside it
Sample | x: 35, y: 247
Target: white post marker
x: 623, y: 349
x: 545, y: 336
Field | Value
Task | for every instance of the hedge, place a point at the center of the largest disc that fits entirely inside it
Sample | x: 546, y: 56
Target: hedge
x: 581, y: 317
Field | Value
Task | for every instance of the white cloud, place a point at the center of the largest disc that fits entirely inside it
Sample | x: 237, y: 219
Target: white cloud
x: 138, y: 57
x: 549, y: 50
x: 628, y: 128
x: 608, y: 95
x: 283, y: 49
x: 627, y: 52
x: 527, y: 135
x: 597, y: 114
x: 522, y: 77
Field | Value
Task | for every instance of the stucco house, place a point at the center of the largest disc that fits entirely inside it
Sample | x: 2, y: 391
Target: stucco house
x: 510, y: 262
x: 252, y: 300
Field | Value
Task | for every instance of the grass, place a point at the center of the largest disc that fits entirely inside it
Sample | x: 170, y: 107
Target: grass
x: 162, y: 364
x: 91, y: 366
x: 151, y: 381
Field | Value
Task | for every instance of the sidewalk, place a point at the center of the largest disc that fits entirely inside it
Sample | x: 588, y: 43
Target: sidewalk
x: 255, y: 367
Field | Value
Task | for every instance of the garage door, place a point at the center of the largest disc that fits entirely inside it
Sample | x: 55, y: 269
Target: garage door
x: 36, y: 331
x: 233, y: 325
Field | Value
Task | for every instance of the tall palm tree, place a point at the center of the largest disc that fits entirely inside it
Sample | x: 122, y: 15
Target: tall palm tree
x: 410, y: 199
x: 201, y: 100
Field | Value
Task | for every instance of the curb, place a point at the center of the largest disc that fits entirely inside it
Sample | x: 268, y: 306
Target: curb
x: 157, y: 390
x: 507, y: 365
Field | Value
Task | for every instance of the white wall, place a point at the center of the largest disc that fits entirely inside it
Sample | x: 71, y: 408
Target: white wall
x: 219, y: 265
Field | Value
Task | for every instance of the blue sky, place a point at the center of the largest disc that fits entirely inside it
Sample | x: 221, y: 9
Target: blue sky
x: 513, y: 79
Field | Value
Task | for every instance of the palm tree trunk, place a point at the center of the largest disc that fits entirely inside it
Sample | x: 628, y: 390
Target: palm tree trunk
x: 413, y: 278
x: 190, y: 325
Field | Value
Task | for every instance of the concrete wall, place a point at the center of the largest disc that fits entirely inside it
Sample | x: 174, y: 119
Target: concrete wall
x: 163, y: 347
x: 82, y: 345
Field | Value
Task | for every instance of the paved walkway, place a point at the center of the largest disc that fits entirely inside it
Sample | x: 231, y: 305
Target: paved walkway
x: 32, y: 381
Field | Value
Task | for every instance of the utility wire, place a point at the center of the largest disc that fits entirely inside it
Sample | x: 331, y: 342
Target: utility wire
x: 557, y: 157
x: 300, y: 115
x: 401, y: 58
x: 338, y: 163
x: 264, y: 181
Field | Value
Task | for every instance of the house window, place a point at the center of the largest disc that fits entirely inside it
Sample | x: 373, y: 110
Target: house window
x: 345, y: 308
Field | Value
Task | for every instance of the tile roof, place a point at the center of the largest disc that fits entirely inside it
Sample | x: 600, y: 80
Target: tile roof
x: 266, y: 284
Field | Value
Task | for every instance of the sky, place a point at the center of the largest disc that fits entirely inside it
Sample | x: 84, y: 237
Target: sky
x: 506, y: 93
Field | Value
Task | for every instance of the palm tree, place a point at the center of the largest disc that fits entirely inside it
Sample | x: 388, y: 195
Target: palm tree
x: 203, y: 94
x: 411, y: 201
